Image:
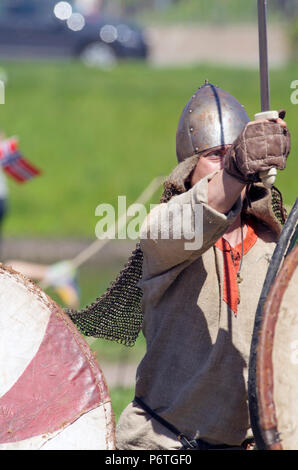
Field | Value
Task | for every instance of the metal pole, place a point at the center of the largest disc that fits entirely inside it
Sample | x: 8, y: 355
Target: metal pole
x: 263, y: 55
x: 267, y: 176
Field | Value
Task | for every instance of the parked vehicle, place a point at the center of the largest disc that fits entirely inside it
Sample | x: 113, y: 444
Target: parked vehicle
x: 47, y: 28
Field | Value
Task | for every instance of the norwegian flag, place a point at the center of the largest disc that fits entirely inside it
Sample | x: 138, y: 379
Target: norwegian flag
x: 14, y: 163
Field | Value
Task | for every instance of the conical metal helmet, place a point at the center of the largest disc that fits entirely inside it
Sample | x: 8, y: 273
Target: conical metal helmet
x: 212, y: 117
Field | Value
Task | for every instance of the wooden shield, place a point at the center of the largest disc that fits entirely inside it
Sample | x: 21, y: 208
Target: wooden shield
x: 273, y: 370
x: 53, y: 393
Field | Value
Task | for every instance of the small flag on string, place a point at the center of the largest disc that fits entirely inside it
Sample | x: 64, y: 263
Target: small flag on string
x: 69, y: 294
x: 62, y: 278
x: 13, y: 162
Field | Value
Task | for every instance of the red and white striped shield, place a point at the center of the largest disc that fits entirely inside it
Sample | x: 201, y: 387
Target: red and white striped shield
x: 53, y: 393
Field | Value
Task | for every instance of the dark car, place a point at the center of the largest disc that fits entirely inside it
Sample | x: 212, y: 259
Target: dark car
x: 49, y: 28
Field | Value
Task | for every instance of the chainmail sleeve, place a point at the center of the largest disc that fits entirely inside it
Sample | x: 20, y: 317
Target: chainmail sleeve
x: 117, y: 314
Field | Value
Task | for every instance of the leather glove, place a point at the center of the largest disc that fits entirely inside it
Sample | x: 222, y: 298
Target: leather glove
x: 260, y: 146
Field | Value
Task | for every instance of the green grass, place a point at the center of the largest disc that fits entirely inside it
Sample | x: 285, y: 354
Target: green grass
x: 97, y: 135
x: 109, y: 351
x: 208, y: 11
x: 202, y: 11
x: 120, y: 398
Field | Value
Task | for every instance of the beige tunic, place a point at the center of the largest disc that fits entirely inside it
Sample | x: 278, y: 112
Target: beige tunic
x: 195, y: 371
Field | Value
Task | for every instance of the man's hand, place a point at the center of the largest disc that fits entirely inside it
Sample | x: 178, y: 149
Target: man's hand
x: 260, y: 146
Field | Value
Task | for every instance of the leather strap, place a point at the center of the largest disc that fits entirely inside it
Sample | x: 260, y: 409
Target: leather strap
x: 187, y: 444
x: 198, y: 444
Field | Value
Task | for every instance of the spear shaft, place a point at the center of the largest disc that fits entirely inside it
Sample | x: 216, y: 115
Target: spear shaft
x: 267, y: 177
x: 263, y: 56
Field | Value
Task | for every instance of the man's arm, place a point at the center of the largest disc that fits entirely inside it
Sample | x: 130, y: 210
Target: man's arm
x: 158, y: 236
x: 223, y: 191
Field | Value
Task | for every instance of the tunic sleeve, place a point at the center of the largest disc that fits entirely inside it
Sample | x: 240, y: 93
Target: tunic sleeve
x: 182, y: 229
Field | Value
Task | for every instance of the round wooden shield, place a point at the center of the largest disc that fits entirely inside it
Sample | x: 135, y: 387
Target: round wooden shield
x: 53, y: 393
x: 273, y: 374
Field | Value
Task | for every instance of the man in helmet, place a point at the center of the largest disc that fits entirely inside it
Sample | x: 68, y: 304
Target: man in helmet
x: 199, y: 303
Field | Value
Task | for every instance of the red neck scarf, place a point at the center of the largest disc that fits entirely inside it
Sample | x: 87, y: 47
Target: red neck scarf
x: 231, y: 260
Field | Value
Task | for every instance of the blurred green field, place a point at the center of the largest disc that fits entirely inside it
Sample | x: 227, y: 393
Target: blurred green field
x: 210, y: 11
x: 203, y: 11
x: 120, y: 398
x: 98, y: 134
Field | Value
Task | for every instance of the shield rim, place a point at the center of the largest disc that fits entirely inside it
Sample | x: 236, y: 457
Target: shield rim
x: 265, y: 439
x: 267, y: 410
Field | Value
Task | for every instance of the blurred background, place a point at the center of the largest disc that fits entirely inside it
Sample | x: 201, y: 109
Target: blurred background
x: 93, y: 92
